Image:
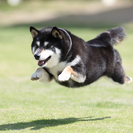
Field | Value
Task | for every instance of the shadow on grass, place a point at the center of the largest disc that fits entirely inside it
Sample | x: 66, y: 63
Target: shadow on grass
x: 38, y: 124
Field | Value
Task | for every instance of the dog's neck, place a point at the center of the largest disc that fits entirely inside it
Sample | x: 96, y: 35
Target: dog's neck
x: 70, y: 40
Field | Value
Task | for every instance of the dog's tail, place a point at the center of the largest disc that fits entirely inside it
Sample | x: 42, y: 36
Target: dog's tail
x: 117, y: 35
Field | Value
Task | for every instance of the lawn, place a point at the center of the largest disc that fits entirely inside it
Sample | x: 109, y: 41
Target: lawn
x: 27, y: 106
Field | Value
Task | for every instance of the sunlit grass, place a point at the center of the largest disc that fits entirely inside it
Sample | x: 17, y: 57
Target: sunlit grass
x: 27, y: 106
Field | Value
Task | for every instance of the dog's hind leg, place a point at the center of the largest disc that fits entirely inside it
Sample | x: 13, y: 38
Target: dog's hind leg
x: 119, y: 72
x: 121, y: 78
x: 128, y: 80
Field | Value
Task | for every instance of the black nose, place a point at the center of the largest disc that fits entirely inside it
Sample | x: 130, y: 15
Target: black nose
x: 36, y: 57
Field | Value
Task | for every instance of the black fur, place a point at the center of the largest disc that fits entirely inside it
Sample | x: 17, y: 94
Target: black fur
x: 98, y: 57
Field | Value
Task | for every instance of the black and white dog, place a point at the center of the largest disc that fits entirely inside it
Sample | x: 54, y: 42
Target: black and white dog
x: 72, y: 62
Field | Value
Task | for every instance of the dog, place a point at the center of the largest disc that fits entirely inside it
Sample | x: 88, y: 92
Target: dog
x: 72, y: 62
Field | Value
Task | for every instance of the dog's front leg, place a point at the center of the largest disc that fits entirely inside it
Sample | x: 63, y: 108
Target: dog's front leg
x: 68, y: 73
x: 41, y: 75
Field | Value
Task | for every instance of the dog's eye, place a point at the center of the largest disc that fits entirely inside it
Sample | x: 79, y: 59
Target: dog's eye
x: 48, y: 45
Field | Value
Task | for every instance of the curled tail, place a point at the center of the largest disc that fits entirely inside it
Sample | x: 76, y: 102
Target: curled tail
x: 117, y: 35
x: 112, y: 36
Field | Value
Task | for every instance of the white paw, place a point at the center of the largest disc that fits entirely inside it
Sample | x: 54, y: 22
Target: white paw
x: 41, y: 75
x: 64, y: 77
x: 36, y: 76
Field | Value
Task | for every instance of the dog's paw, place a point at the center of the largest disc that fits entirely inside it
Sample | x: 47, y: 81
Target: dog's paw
x: 128, y: 80
x: 41, y: 75
x: 64, y: 77
x: 36, y: 76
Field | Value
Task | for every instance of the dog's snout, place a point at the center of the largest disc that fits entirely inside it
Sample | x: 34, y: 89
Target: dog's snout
x: 36, y: 57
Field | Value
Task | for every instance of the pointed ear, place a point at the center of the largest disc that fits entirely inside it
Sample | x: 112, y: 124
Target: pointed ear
x: 56, y: 33
x: 34, y: 32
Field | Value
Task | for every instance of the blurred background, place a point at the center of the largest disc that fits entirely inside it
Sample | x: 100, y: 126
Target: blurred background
x: 68, y: 13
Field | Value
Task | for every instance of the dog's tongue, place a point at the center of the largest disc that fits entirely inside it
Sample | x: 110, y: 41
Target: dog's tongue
x: 40, y: 63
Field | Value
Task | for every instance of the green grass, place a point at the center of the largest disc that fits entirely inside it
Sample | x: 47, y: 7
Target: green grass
x: 27, y: 106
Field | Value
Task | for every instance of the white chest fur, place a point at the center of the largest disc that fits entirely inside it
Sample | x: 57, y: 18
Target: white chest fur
x: 62, y: 65
x: 58, y: 68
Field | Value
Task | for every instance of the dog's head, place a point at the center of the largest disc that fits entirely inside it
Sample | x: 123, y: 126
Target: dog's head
x: 49, y: 45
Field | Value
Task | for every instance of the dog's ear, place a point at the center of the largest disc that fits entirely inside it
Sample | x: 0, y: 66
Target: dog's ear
x: 56, y: 33
x: 34, y: 32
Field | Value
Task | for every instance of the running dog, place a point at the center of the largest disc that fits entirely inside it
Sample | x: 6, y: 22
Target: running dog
x: 72, y: 62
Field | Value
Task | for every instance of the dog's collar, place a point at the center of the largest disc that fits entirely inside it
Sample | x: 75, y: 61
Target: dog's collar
x: 70, y: 39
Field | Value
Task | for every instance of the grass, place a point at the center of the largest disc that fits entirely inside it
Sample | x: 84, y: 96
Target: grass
x: 27, y: 106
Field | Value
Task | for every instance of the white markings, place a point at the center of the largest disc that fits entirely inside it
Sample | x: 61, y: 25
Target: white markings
x: 62, y: 65
x: 45, y: 54
x: 75, y: 61
x: 55, y: 57
x: 54, y: 60
x: 37, y: 52
x: 38, y: 43
x: 57, y: 68
x: 65, y: 75
x: 79, y: 79
x: 57, y: 51
x: 33, y: 50
x: 41, y: 75
x: 46, y: 43
x: 129, y: 80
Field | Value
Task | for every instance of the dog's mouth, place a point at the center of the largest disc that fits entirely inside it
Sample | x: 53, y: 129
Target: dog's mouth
x: 42, y: 62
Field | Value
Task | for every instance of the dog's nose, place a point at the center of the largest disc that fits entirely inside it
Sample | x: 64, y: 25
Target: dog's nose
x: 36, y: 57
